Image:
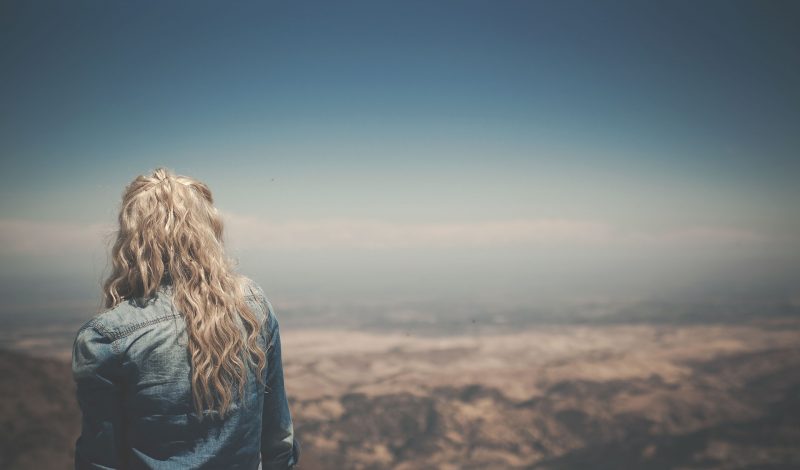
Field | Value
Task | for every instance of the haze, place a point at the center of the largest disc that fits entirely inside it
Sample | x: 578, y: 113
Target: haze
x: 518, y: 152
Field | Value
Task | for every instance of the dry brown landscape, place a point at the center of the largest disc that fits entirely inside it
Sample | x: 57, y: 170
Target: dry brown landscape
x: 616, y: 396
x: 619, y: 396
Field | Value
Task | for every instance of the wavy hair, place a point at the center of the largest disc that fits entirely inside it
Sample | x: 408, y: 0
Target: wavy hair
x: 170, y: 233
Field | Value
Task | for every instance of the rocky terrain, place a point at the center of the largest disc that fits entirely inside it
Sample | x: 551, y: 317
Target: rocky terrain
x: 39, y: 417
x: 623, y: 396
x: 654, y: 396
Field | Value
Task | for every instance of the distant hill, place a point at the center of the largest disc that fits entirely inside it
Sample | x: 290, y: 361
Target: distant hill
x: 752, y: 422
x: 573, y: 397
x: 39, y: 414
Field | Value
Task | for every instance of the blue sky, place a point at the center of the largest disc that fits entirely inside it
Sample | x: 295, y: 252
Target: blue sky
x: 444, y: 149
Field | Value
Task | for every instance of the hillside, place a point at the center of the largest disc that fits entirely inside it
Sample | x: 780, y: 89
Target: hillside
x: 563, y: 397
x: 38, y: 412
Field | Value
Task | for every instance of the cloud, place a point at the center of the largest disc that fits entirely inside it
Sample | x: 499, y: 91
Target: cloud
x: 700, y: 235
x: 249, y: 232
x: 48, y: 238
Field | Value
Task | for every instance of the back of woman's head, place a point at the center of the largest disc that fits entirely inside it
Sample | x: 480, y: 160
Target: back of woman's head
x: 171, y: 233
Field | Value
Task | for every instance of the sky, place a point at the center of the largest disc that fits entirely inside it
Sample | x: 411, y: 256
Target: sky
x: 515, y: 151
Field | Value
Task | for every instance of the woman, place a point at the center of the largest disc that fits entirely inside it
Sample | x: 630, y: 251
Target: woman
x: 183, y: 369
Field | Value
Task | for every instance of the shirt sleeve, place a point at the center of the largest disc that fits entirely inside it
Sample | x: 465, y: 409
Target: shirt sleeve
x: 279, y: 448
x: 96, y: 370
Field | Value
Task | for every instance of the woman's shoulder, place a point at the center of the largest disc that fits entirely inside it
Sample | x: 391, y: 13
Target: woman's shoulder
x: 255, y: 294
x: 252, y: 288
x: 130, y: 315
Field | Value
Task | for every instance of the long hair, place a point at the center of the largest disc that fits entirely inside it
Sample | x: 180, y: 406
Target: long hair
x: 170, y: 233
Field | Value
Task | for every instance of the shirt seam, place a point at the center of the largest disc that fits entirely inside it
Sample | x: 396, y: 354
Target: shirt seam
x: 119, y: 333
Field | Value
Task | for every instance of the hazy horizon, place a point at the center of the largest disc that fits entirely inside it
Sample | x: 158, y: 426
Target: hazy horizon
x: 511, y: 152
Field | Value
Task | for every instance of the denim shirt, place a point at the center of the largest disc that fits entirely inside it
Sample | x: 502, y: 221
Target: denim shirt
x: 132, y: 370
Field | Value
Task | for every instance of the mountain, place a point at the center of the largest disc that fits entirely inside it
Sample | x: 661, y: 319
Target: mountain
x: 645, y: 396
x: 740, y: 412
x: 38, y: 411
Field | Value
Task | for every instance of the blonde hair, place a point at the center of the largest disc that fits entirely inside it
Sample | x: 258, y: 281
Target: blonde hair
x: 171, y: 233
